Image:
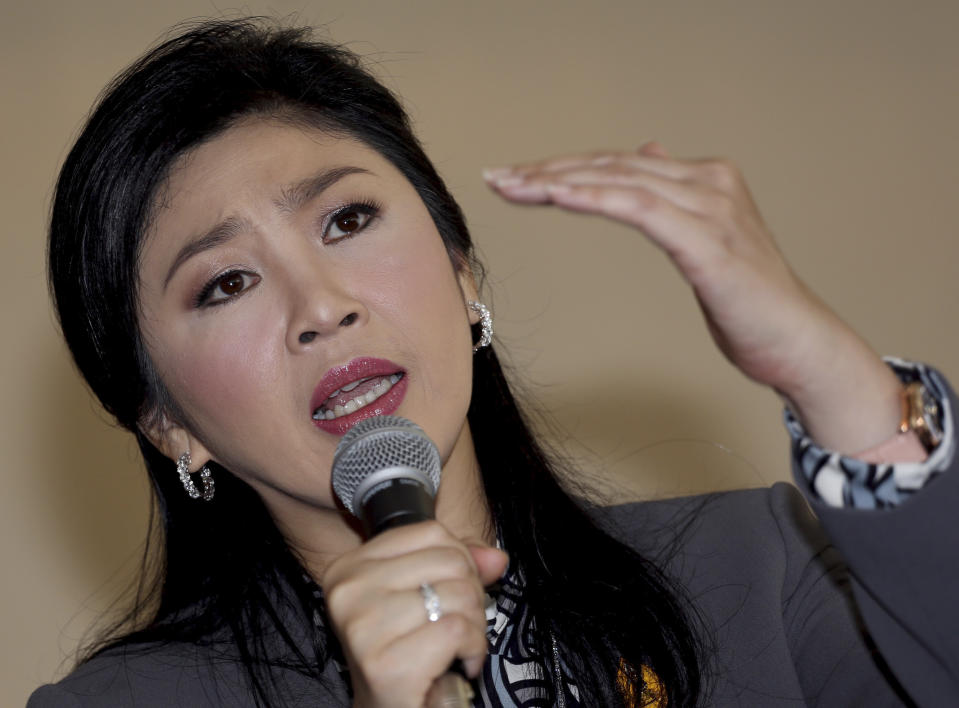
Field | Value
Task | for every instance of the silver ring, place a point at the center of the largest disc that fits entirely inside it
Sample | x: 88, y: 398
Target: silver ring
x: 431, y: 602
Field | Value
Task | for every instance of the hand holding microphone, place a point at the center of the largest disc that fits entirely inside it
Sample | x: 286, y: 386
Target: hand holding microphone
x: 410, y: 601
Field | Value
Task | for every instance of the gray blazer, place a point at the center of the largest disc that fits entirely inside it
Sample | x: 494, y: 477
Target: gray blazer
x: 792, y: 623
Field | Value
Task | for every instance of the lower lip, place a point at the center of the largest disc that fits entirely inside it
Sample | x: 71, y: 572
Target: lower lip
x: 384, y: 405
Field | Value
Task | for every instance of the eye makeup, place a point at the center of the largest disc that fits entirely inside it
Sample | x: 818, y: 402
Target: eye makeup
x: 343, y: 219
x: 232, y: 283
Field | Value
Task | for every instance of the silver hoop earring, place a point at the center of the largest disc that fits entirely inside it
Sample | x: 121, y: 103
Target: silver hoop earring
x: 206, y: 478
x: 486, y: 324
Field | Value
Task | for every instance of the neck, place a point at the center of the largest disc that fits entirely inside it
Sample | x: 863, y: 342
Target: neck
x: 461, y: 501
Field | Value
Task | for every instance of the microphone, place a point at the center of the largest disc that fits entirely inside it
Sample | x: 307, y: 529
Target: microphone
x: 385, y: 472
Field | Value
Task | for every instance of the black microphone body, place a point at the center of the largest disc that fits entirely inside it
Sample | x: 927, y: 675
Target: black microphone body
x: 396, y: 502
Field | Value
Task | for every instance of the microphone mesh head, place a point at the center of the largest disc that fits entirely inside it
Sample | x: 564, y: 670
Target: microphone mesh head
x: 378, y: 443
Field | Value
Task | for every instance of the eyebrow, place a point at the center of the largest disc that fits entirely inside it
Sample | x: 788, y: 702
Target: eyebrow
x: 221, y: 233
x: 296, y: 195
x: 291, y: 198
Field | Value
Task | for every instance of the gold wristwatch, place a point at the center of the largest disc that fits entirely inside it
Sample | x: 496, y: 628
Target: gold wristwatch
x: 920, y: 414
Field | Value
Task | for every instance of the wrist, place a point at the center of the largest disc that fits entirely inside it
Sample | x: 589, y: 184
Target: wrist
x: 900, y: 448
x: 854, y: 403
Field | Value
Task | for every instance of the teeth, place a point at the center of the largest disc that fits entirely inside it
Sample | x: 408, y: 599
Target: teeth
x: 358, y: 402
x: 349, y: 387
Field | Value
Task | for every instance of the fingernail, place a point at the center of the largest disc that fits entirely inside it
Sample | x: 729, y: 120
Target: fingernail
x: 558, y: 188
x: 508, y: 181
x: 492, y: 174
x: 474, y: 666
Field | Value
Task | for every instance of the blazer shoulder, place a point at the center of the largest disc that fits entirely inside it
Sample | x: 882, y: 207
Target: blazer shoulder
x: 746, y: 521
x: 52, y: 696
x: 163, y: 676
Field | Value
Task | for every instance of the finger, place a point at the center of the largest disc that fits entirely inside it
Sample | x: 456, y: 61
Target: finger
x: 693, y: 196
x: 641, y: 160
x: 560, y: 162
x: 393, y: 544
x: 687, y: 237
x: 452, y: 637
x: 398, y: 613
x: 720, y: 174
x: 653, y: 149
x: 403, y: 539
x: 408, y: 665
x: 490, y: 562
x: 649, y: 154
x: 366, y: 581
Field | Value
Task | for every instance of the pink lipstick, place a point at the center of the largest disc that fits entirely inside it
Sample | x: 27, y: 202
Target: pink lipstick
x: 362, y: 388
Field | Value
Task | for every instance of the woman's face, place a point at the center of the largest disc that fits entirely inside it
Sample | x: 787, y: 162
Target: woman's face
x: 293, y: 283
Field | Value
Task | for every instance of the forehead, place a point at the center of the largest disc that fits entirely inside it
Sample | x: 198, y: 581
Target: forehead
x: 258, y: 155
x: 256, y: 171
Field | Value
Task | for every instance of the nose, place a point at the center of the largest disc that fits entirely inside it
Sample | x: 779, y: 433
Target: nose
x: 323, y: 308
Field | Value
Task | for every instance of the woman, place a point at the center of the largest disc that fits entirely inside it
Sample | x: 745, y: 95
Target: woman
x: 250, y: 253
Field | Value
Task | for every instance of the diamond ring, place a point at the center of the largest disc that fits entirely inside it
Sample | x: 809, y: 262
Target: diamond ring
x: 431, y: 602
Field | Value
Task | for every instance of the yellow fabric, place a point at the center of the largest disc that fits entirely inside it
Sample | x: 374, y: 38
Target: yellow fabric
x: 653, y: 695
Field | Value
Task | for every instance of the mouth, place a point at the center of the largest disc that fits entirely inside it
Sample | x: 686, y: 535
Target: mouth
x: 361, y: 389
x: 355, y: 395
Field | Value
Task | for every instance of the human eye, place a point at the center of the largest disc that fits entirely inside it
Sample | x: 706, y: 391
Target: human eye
x: 349, y: 220
x: 224, y: 287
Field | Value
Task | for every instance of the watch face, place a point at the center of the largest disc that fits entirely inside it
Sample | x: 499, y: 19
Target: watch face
x: 930, y: 416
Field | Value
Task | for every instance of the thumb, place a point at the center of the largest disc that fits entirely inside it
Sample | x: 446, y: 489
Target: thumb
x: 490, y: 562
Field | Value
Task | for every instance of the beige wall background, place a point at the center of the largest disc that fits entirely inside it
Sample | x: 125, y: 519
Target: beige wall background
x: 843, y: 115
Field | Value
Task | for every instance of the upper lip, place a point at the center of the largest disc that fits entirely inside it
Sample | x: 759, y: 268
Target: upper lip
x: 354, y: 370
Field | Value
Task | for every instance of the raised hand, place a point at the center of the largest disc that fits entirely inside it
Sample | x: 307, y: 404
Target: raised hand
x: 377, y: 610
x: 763, y: 318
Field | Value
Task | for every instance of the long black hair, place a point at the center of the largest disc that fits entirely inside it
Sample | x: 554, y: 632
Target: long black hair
x: 223, y: 575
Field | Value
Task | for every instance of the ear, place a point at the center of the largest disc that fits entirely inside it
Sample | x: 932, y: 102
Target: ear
x: 467, y: 283
x: 172, y: 439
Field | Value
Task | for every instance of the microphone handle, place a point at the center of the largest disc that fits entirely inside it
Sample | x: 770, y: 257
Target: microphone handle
x: 451, y: 690
x: 410, y: 504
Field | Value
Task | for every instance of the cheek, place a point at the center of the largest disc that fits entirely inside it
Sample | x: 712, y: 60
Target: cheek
x: 225, y: 372
x: 424, y: 299
x: 437, y: 328
x: 414, y: 278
